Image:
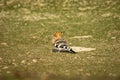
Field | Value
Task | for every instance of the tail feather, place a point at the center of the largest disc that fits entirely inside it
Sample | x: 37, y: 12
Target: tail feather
x: 72, y: 51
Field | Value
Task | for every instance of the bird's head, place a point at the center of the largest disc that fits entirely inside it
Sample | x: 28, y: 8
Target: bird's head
x: 56, y: 35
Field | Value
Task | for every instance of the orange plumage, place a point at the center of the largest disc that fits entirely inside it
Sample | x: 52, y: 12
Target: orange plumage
x: 56, y: 36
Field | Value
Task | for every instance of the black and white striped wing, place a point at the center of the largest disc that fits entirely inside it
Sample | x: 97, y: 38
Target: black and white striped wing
x: 62, y: 46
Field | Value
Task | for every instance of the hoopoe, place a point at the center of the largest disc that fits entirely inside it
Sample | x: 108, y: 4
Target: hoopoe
x: 60, y: 44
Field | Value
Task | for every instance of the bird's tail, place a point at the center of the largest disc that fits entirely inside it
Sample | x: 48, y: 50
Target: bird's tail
x: 72, y: 51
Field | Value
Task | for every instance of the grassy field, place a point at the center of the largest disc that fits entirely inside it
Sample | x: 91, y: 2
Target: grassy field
x: 25, y: 41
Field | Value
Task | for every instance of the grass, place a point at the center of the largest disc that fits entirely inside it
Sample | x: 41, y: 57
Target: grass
x: 25, y: 44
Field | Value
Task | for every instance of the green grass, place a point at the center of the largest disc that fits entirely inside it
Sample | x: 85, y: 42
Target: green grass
x: 25, y: 44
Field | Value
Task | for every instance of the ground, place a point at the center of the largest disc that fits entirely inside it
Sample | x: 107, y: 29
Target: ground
x: 25, y: 43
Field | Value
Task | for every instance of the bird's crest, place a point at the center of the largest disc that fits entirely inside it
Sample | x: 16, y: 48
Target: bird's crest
x: 56, y: 36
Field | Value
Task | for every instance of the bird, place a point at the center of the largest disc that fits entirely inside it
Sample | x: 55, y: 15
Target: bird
x: 60, y: 44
